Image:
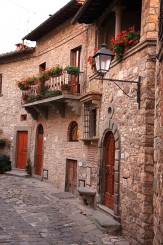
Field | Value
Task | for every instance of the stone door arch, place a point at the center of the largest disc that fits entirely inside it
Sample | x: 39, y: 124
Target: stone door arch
x: 110, y: 130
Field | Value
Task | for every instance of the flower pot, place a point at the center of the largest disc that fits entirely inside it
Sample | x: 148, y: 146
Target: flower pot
x: 65, y: 91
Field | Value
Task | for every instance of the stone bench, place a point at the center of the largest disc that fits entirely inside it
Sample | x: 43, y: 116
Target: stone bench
x: 87, y: 195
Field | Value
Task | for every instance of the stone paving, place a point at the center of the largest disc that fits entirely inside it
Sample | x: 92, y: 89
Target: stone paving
x: 33, y: 212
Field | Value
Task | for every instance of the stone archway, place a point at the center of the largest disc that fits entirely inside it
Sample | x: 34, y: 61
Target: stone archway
x: 110, y: 128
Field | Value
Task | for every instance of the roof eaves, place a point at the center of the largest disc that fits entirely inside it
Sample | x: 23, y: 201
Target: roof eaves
x: 16, y: 53
x: 81, y: 11
x: 49, y: 20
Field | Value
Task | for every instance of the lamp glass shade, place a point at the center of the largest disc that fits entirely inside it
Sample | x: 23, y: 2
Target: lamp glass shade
x: 103, y: 63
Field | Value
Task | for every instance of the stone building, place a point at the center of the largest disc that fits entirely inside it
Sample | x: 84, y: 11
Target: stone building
x: 98, y: 140
x: 158, y: 137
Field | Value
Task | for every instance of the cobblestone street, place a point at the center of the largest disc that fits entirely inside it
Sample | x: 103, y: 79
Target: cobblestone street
x: 34, y: 212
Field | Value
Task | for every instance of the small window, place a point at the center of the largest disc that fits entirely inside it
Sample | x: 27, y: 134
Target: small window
x: 0, y: 83
x: 42, y: 67
x: 23, y: 117
x: 90, y: 118
x: 73, y: 132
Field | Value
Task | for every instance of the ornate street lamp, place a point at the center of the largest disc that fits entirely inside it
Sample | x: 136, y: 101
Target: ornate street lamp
x: 103, y: 59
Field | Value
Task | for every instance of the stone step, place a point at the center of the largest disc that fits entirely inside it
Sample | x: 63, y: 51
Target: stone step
x: 17, y: 172
x: 106, y: 221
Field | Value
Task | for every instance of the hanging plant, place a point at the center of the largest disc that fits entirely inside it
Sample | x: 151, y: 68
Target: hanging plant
x: 72, y: 70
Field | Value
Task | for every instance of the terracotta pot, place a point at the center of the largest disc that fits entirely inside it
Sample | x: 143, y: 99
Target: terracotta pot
x: 65, y: 91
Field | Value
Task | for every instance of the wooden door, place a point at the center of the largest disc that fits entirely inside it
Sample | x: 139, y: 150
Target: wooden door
x: 75, y: 61
x: 109, y: 172
x: 71, y: 182
x: 39, y: 150
x: 21, y: 158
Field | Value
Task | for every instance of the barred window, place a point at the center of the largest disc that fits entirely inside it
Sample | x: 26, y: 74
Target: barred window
x: 90, y: 118
x: 161, y: 22
x: 0, y: 83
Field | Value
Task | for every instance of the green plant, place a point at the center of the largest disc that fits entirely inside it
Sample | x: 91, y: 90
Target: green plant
x: 45, y: 75
x: 32, y: 98
x: 53, y: 93
x: 124, y: 39
x: 5, y: 163
x: 72, y: 70
x: 32, y: 80
x: 28, y: 167
x: 56, y: 71
x: 4, y: 141
x: 65, y: 87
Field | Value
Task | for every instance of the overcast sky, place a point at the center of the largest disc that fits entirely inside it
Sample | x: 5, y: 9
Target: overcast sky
x: 19, y: 17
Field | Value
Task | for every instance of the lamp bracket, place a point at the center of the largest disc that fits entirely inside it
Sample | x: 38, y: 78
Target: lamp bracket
x: 123, y: 81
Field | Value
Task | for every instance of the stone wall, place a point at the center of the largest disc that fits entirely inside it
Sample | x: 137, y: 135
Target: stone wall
x: 136, y: 133
x: 135, y: 128
x: 158, y: 158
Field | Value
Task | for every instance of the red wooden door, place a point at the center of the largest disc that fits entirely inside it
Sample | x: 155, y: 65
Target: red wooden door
x: 21, y: 158
x: 71, y: 176
x: 39, y: 151
x: 109, y: 172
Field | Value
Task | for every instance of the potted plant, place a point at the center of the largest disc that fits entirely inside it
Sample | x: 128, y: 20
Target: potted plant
x: 5, y: 163
x: 4, y: 142
x: 72, y: 70
x: 124, y: 40
x: 45, y: 75
x: 56, y: 71
x: 65, y: 88
x: 28, y: 167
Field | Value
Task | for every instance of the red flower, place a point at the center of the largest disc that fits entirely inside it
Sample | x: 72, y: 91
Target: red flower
x: 89, y: 58
x: 136, y: 41
x: 131, y: 41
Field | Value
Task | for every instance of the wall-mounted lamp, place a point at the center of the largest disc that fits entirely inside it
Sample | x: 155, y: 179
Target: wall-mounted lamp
x: 103, y: 59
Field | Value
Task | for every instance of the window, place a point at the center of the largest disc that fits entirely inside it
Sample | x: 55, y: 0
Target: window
x: 42, y: 67
x: 75, y: 57
x: 75, y: 61
x: 73, y: 132
x: 23, y: 117
x: 90, y: 119
x: 0, y: 83
x: 161, y: 22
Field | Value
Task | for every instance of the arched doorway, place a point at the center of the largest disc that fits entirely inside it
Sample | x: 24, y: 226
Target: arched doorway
x: 108, y: 196
x: 39, y: 150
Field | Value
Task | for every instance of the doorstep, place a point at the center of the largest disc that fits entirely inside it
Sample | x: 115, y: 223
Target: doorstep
x: 17, y: 172
x: 106, y: 221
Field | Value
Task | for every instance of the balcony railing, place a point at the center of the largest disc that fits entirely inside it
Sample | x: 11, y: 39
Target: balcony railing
x: 52, y: 87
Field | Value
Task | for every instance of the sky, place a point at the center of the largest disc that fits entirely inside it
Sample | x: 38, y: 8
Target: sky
x: 19, y: 17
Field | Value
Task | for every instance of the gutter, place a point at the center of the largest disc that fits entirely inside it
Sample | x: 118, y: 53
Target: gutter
x: 81, y: 11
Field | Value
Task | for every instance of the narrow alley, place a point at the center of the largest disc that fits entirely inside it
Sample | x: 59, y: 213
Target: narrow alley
x: 35, y: 212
